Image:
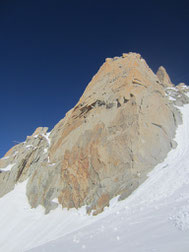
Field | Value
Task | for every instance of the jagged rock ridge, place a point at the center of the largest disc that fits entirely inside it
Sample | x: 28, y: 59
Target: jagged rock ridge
x: 122, y: 126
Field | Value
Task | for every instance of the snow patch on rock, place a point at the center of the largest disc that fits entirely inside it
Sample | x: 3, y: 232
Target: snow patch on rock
x: 7, y: 168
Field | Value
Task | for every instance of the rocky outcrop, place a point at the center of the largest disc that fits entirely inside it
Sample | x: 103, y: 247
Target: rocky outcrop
x: 164, y: 77
x: 122, y: 126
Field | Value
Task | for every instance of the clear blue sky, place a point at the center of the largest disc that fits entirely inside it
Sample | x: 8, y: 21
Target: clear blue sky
x: 49, y: 51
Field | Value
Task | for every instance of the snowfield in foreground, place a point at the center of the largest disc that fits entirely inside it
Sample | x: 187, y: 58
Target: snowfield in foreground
x: 154, y: 218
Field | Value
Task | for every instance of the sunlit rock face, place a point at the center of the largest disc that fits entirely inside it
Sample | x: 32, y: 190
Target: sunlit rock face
x: 122, y: 126
x: 164, y: 77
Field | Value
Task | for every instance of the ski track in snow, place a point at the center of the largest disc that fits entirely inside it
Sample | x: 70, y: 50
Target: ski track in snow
x: 155, y: 218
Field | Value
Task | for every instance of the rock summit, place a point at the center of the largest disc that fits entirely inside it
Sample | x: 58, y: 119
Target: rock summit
x: 120, y: 129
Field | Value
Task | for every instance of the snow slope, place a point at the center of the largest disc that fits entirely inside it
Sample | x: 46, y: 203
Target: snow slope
x: 154, y: 218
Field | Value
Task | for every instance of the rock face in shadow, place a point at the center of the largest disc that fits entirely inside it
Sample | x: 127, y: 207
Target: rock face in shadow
x: 122, y: 126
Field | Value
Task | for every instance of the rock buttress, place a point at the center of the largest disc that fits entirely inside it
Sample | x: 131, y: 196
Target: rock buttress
x: 122, y: 126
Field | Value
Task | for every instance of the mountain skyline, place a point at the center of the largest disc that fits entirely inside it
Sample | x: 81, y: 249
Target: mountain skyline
x: 50, y: 51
